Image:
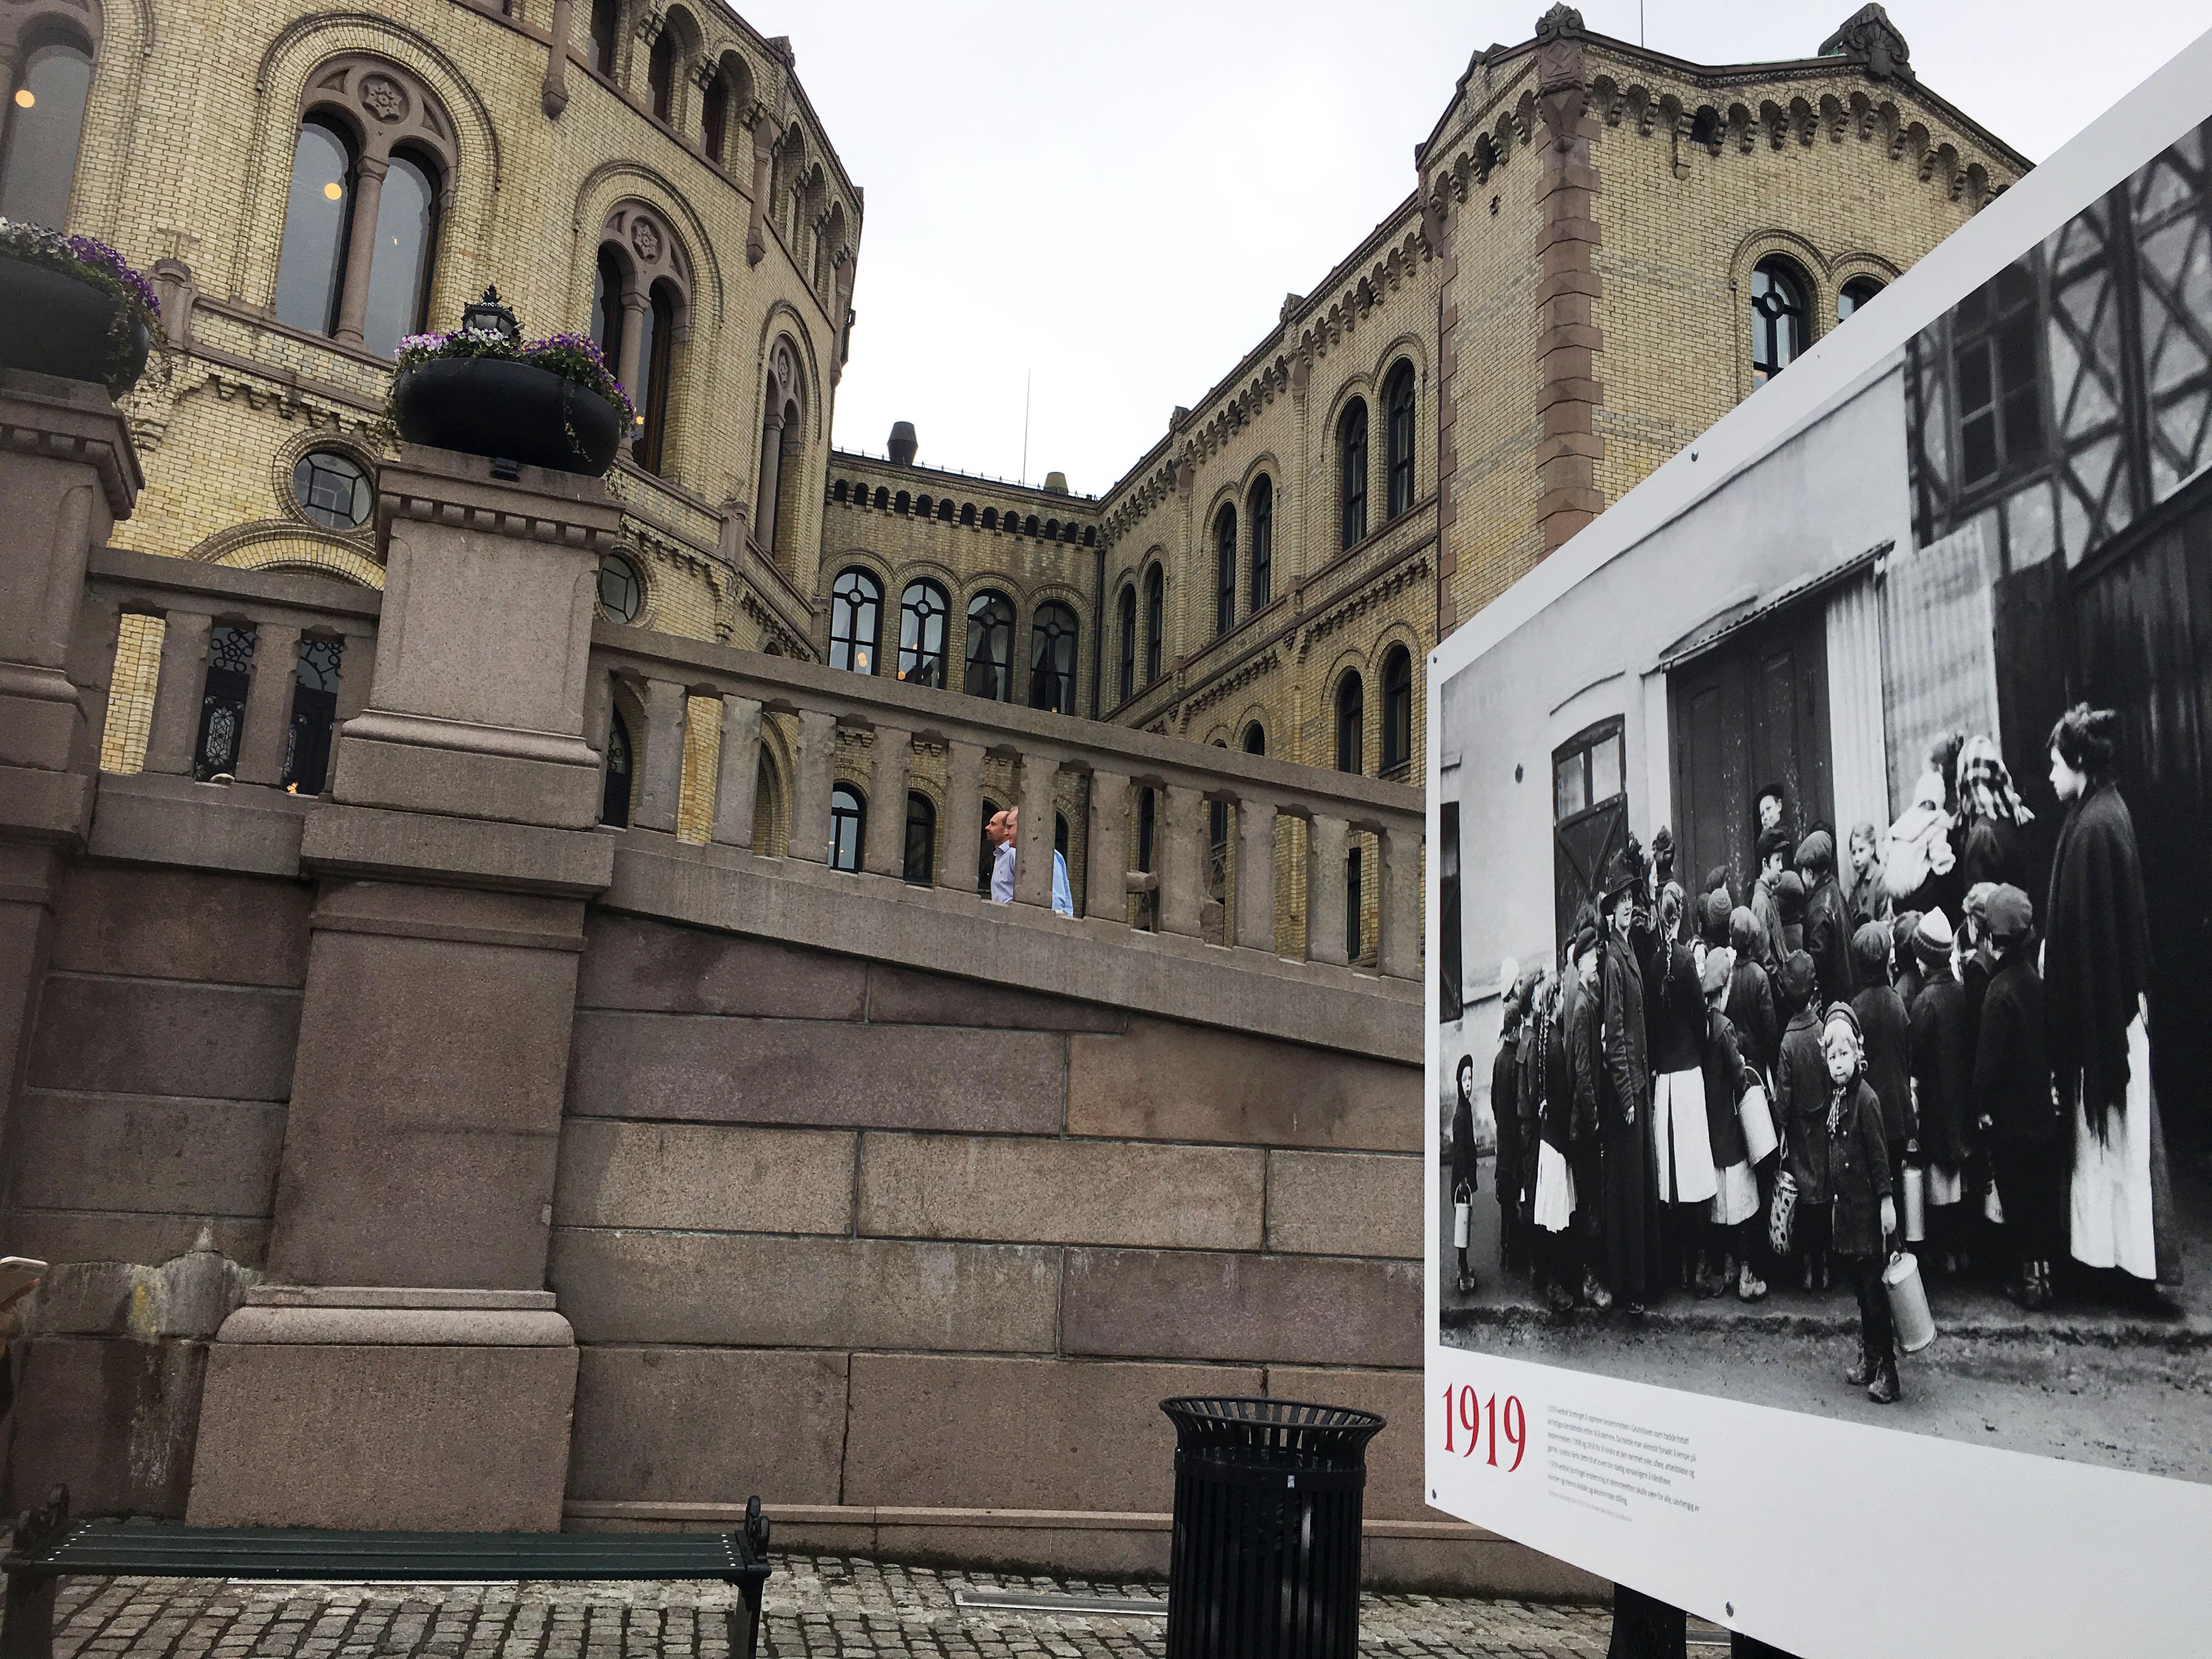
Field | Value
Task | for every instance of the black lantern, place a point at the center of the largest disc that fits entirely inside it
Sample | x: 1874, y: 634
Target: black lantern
x: 489, y: 319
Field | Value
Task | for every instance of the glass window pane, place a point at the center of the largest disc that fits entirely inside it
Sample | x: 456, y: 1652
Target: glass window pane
x: 333, y: 489
x: 45, y: 120
x: 315, y: 227
x: 1570, y: 788
x: 1605, y: 780
x: 406, y: 223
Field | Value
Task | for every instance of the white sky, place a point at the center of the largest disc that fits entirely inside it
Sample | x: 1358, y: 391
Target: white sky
x: 1114, y: 197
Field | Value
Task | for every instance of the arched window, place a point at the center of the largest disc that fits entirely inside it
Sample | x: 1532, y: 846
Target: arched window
x: 1156, y: 604
x: 222, y: 701
x: 318, y: 224
x: 856, y: 605
x: 1350, y: 724
x: 406, y: 239
x: 1263, y: 505
x: 1398, y: 400
x: 1351, y: 471
x: 1856, y: 293
x: 990, y: 647
x: 848, y: 822
x: 661, y: 74
x: 656, y: 361
x: 1255, y: 738
x: 922, y: 611
x: 606, y: 34
x: 1781, y: 318
x: 920, y: 862
x: 1397, y: 709
x: 370, y: 165
x: 1128, y: 681
x: 45, y: 126
x: 1052, y: 658
x: 607, y: 284
x: 1225, y: 569
x: 614, y: 796
x: 714, y: 116
x: 314, y: 713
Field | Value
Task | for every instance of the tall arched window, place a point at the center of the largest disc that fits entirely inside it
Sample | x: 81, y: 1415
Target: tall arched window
x: 990, y: 647
x: 1052, y: 658
x: 1398, y: 400
x: 1351, y: 471
x: 776, y: 521
x: 922, y: 611
x: 656, y: 362
x: 1255, y: 738
x: 1225, y: 569
x: 371, y: 165
x: 45, y: 126
x: 856, y: 606
x: 1350, y: 724
x: 714, y: 117
x: 1156, y: 621
x: 1781, y: 318
x: 606, y: 34
x: 1856, y: 293
x: 661, y: 74
x: 1262, y: 504
x: 1397, y: 708
x: 614, y: 794
x: 920, y: 864
x: 848, y: 823
x: 1128, y: 642
x: 406, y: 240
x: 318, y: 224
x: 607, y: 285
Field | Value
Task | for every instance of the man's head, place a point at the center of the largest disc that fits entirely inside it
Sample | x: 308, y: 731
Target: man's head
x: 1769, y: 807
x: 1003, y: 826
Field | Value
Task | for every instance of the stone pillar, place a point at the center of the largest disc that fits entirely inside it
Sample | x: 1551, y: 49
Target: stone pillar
x: 817, y: 777
x: 268, y: 722
x: 405, y: 1367
x: 1255, y: 875
x: 764, y: 134
x: 891, y: 765
x: 1179, y: 845
x: 67, y: 472
x: 666, y: 712
x: 1106, y: 875
x: 553, y: 95
x: 1033, y: 845
x: 1569, y: 340
x: 963, y: 815
x: 360, y: 247
x: 735, y: 794
x: 1326, y: 841
x: 1399, y: 954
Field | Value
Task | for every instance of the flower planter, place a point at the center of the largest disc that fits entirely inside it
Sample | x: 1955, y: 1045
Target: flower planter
x: 54, y: 324
x: 507, y: 410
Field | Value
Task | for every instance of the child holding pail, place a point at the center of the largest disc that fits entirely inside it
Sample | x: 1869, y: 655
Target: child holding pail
x: 1864, y: 1216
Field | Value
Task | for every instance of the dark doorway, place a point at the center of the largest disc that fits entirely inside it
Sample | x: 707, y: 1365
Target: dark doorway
x: 1752, y: 711
x: 1589, y: 822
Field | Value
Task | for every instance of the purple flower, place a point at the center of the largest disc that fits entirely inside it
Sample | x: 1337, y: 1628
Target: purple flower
x: 80, y: 254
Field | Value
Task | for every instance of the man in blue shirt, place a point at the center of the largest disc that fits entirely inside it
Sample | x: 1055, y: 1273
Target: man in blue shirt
x: 1001, y: 832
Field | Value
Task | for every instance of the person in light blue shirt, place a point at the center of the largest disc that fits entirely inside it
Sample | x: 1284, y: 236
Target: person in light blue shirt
x: 1001, y: 832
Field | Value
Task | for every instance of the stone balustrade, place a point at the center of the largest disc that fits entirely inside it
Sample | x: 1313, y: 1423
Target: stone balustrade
x: 675, y: 680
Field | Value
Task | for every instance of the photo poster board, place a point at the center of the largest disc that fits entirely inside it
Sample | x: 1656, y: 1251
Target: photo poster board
x: 1869, y: 529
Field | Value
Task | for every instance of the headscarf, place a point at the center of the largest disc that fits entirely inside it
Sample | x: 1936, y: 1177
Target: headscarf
x: 1842, y: 1013
x: 1985, y: 788
x: 1919, y: 844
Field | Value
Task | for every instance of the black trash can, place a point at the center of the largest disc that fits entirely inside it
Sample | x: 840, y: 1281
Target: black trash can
x: 1265, y: 1562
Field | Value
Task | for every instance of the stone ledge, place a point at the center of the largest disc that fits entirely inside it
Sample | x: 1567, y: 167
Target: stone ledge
x: 425, y: 846
x: 703, y: 1515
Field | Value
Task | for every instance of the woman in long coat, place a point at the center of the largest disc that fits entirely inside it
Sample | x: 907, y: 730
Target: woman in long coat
x: 1632, y: 1195
x: 2096, y: 986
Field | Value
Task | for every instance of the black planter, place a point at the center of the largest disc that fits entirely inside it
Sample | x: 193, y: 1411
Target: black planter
x: 507, y: 410
x: 55, y: 323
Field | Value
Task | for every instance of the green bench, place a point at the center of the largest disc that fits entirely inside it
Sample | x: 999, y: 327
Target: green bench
x: 48, y: 1546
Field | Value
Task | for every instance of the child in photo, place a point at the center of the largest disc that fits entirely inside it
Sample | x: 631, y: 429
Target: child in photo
x: 1735, y: 1206
x: 1866, y: 894
x: 1942, y: 1084
x: 1863, y: 1216
x: 1828, y: 928
x: 1801, y: 1105
x: 1463, y: 1161
x: 1765, y: 902
x: 1885, y: 1032
x: 2015, y: 1100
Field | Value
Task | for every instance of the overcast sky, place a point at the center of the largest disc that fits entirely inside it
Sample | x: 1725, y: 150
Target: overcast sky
x: 1114, y: 198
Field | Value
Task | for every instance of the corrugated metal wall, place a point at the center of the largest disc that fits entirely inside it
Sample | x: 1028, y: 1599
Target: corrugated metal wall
x: 1857, y: 735
x: 1939, y: 659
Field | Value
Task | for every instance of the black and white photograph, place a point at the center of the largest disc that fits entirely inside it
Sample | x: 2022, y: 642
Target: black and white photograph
x: 1826, y: 888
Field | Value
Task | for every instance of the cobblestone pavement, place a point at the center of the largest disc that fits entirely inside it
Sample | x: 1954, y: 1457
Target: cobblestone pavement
x: 818, y: 1606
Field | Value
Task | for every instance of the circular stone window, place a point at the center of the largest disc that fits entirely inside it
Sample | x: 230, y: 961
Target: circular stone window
x: 333, y: 489
x: 622, y: 593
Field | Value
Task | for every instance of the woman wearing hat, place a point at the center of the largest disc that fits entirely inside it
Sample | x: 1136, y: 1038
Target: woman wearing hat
x: 1631, y: 1194
x: 1943, y: 1084
x: 2014, y: 1104
x: 2097, y: 985
x: 1681, y: 1142
x: 1505, y: 1111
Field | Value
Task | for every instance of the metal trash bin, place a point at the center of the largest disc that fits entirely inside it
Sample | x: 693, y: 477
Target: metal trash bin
x: 1265, y: 1562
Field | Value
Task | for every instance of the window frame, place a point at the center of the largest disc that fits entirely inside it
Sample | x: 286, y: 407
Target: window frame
x: 1350, y: 703
x: 1224, y: 571
x: 1352, y: 462
x: 1128, y: 627
x: 846, y: 643
x: 848, y: 806
x: 1770, y: 319
x: 1401, y: 427
x: 1156, y: 589
x: 1397, y: 710
x: 990, y: 630
x: 1260, y: 507
x: 44, y: 36
x: 1054, y: 628
x: 926, y: 824
x: 919, y: 663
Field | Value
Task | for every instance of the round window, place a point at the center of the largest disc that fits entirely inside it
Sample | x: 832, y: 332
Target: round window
x: 621, y: 594
x: 333, y: 489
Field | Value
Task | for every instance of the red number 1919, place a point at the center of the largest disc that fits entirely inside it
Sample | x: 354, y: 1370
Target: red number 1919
x: 1466, y: 1411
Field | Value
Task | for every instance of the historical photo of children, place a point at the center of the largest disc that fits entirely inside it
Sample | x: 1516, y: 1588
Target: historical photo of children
x: 1826, y: 897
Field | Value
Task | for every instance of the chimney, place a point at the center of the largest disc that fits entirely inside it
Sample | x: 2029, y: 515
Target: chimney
x: 1055, y: 483
x: 902, y: 444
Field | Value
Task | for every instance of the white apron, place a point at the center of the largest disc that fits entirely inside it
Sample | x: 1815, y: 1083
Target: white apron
x: 2111, y: 1203
x: 1555, y: 1189
x: 1682, y: 1145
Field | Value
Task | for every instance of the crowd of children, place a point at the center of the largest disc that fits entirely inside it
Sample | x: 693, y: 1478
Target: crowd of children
x: 1701, y: 1093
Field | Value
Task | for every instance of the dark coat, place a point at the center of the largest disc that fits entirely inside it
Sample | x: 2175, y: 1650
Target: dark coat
x: 1943, y: 1070
x: 1724, y: 1080
x: 2012, y: 1060
x: 1888, y: 1032
x: 1463, y: 1161
x: 1828, y: 941
x: 1858, y: 1171
x: 1625, y: 1039
x: 1630, y: 1206
x: 1749, y: 1006
x: 1555, y: 1112
x: 1536, y: 1031
x: 1993, y: 849
x: 1505, y: 1108
x: 1763, y: 906
x: 1676, y: 1008
x: 1579, y: 1018
x: 1801, y: 1107
x: 2097, y: 926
